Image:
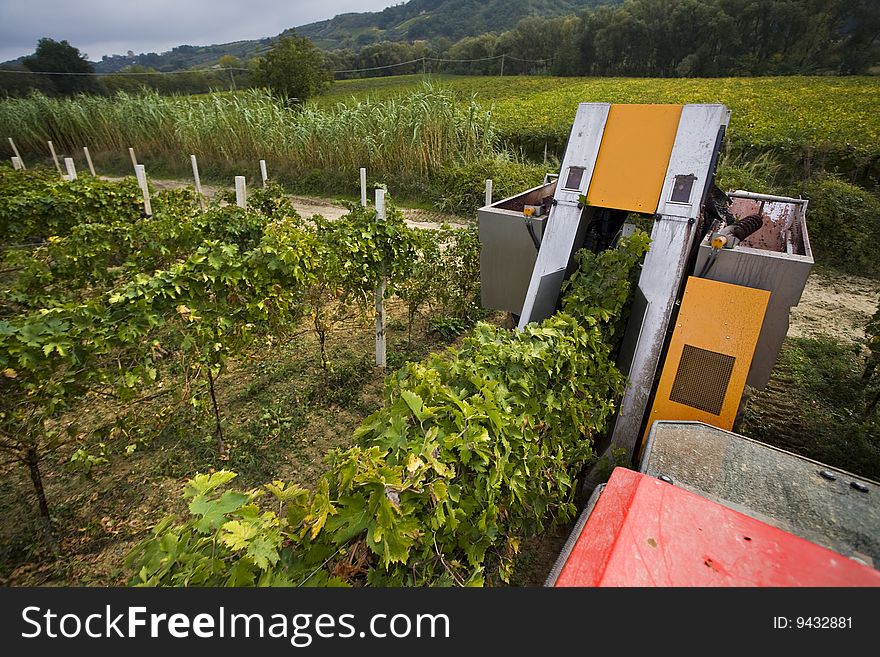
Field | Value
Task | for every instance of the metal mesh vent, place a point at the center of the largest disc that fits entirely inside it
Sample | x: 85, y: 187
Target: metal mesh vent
x: 702, y: 378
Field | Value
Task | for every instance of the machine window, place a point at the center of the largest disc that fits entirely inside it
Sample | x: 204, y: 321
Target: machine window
x: 681, y: 191
x: 574, y: 178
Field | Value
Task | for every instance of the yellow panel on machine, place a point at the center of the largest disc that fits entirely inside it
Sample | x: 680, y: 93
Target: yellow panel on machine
x: 710, y: 353
x: 633, y: 157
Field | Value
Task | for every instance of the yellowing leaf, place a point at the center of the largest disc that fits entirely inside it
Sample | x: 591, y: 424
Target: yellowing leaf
x: 414, y: 463
x: 237, y: 535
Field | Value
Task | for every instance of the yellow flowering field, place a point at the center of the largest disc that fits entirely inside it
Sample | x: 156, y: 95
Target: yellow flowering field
x: 836, y: 117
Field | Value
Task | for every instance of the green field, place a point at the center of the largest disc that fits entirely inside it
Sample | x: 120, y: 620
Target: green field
x: 801, y: 117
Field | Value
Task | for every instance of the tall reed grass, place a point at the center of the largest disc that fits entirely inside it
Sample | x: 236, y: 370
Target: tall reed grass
x: 406, y: 139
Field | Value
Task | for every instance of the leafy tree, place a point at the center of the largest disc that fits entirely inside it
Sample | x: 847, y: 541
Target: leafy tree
x: 861, y: 47
x: 479, y: 49
x: 227, y: 63
x: 294, y: 69
x: 59, y: 56
x: 14, y: 83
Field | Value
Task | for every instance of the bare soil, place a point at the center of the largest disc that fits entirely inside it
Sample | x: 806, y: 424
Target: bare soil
x: 415, y: 217
x: 835, y: 305
x: 308, y: 206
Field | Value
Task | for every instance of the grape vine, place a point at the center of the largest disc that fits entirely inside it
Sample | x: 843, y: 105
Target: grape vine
x: 474, y: 449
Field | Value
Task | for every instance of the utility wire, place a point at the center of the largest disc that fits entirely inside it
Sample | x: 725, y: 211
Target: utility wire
x: 378, y: 68
x: 195, y: 70
x: 420, y: 60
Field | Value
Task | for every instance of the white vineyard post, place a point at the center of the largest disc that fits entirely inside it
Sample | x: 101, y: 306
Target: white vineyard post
x: 201, y: 195
x: 16, y: 163
x: 380, y: 291
x: 71, y: 168
x: 89, y: 161
x: 363, y: 187
x: 488, y: 191
x: 55, y: 159
x: 17, y: 154
x: 134, y: 161
x: 141, y: 175
x: 263, y: 174
x: 240, y: 192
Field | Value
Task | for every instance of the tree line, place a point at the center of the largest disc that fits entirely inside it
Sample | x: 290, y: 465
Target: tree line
x: 639, y: 38
x: 59, y: 69
x: 655, y: 38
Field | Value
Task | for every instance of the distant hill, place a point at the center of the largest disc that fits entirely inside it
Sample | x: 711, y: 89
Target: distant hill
x: 434, y: 19
x: 185, y: 57
x: 414, y: 20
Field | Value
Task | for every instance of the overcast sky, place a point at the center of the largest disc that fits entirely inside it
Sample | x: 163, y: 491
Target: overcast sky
x: 107, y: 27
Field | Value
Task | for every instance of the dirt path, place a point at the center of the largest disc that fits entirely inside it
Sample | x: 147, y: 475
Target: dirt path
x: 308, y: 206
x: 835, y: 305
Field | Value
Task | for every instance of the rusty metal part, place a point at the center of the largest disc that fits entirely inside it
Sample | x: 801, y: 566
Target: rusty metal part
x: 747, y: 226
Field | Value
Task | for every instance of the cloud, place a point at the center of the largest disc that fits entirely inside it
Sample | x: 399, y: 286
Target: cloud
x: 105, y: 27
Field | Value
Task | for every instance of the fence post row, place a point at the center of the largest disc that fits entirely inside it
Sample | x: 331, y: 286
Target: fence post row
x: 55, y: 159
x: 141, y: 175
x: 89, y: 161
x: 17, y: 154
x: 380, y: 290
x: 240, y: 192
x: 363, y: 187
x: 71, y: 168
x: 195, y: 167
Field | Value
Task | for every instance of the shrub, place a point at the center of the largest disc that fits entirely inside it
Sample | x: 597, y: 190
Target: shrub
x: 843, y: 222
x: 754, y: 174
x: 461, y: 188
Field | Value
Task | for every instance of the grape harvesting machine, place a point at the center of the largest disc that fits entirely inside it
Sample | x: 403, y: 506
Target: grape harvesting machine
x: 701, y: 505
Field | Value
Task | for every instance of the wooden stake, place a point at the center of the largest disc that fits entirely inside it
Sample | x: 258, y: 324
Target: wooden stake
x: 71, y: 168
x: 89, y: 162
x: 363, y: 187
x: 17, y: 154
x: 488, y: 191
x: 141, y: 175
x: 55, y: 159
x: 201, y: 194
x: 380, y: 291
x: 240, y: 192
x: 263, y: 173
x: 134, y: 161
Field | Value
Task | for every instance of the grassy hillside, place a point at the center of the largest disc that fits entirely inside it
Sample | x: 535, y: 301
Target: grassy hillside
x: 432, y: 19
x: 417, y: 19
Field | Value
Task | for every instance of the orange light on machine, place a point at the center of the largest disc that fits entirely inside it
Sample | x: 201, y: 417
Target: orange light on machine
x: 719, y: 242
